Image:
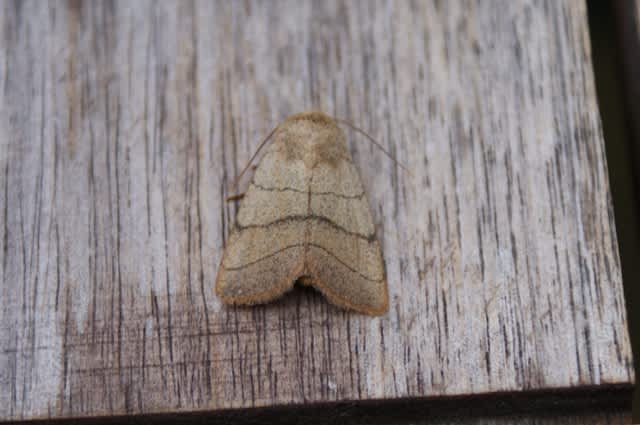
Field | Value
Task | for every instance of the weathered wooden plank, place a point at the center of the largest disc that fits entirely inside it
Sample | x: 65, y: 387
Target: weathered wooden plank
x: 123, y: 123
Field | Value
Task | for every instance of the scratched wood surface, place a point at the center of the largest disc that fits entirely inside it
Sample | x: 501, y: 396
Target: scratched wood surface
x: 123, y: 123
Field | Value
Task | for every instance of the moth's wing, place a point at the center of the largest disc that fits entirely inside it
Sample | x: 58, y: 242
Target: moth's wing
x: 344, y: 258
x: 265, y: 250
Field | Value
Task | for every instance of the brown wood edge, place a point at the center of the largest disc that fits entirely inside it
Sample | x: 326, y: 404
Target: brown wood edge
x: 599, y: 399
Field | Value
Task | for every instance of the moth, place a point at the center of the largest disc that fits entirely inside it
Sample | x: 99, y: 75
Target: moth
x: 305, y: 218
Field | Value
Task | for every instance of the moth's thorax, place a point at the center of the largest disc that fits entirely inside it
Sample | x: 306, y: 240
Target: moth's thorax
x: 311, y: 137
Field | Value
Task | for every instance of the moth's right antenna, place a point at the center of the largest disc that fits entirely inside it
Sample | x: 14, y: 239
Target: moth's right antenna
x: 372, y: 140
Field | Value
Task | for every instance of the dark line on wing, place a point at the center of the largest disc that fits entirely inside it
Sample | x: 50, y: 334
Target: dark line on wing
x: 300, y: 245
x: 290, y: 189
x: 343, y: 263
x: 300, y: 218
x: 251, y: 263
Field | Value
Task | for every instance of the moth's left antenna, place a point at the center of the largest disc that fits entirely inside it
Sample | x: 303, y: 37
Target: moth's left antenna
x: 234, y: 185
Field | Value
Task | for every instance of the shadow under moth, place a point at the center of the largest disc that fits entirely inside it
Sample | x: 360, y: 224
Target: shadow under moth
x: 305, y: 218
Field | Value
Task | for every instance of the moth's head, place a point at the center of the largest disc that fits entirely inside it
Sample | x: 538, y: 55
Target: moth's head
x: 312, y: 137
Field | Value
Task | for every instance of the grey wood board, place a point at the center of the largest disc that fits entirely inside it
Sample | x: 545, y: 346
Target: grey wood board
x: 122, y: 125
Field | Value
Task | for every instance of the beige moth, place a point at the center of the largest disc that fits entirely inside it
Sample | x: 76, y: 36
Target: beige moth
x: 305, y: 217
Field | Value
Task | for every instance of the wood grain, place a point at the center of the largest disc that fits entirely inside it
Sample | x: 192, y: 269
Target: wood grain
x: 123, y: 123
